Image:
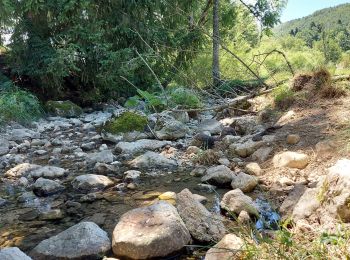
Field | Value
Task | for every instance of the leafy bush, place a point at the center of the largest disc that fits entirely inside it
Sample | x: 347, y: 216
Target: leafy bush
x: 154, y: 102
x: 184, y: 98
x: 19, y: 105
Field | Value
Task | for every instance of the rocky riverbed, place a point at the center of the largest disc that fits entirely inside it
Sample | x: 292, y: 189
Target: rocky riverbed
x: 70, y: 190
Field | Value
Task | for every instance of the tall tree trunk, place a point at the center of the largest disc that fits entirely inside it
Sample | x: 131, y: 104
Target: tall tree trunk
x: 216, y: 44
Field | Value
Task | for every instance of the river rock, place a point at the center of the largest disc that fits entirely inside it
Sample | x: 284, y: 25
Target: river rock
x: 290, y: 160
x: 202, y: 225
x: 105, y: 156
x: 235, y: 201
x: 262, y: 154
x: 13, y: 253
x: 293, y: 139
x: 4, y: 146
x: 325, y: 148
x: 3, y: 202
x: 152, y: 160
x: 292, y: 199
x: 21, y: 134
x: 20, y: 170
x: 140, y: 146
x: 306, y: 205
x: 172, y: 130
x: 91, y: 182
x: 246, y: 125
x: 211, y: 125
x: 104, y: 168
x: 85, y: 240
x: 245, y: 149
x: 150, y: 232
x: 230, y: 247
x: 333, y: 191
x: 45, y: 187
x: 53, y: 214
x: 218, y: 175
x: 63, y: 108
x: 244, y: 182
x: 132, y: 176
x: 49, y: 172
x: 35, y: 171
x: 253, y: 169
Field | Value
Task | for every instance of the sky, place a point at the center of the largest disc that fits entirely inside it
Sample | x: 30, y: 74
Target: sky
x: 300, y: 8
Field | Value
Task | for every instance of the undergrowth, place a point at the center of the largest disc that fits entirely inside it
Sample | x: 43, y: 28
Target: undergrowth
x: 18, y: 105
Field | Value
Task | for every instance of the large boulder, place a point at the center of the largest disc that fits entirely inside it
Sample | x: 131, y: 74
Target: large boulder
x: 85, y: 240
x: 334, y: 191
x: 63, y: 108
x: 126, y: 122
x: 292, y: 199
x: 246, y: 125
x: 290, y: 160
x: 13, y: 253
x: 91, y: 182
x: 21, y: 170
x: 21, y: 134
x: 245, y: 149
x: 105, y: 156
x: 35, y: 171
x: 244, y: 182
x: 4, y: 146
x: 203, y: 225
x: 45, y: 187
x: 210, y: 125
x: 150, y: 232
x: 172, y: 130
x: 140, y: 146
x: 230, y: 247
x: 262, y: 154
x: 306, y: 205
x: 49, y: 172
x: 218, y: 175
x: 152, y: 160
x: 235, y: 201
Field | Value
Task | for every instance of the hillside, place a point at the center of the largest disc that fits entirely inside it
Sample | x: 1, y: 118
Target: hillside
x: 329, y: 17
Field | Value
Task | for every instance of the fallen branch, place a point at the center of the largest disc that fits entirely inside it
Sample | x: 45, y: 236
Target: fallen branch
x: 231, y: 104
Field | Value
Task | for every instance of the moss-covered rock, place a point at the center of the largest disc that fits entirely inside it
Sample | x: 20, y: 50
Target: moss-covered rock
x: 126, y: 122
x: 63, y: 108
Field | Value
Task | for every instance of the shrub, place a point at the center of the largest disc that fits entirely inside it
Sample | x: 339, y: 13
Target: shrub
x: 127, y: 122
x: 19, y: 105
x: 184, y: 98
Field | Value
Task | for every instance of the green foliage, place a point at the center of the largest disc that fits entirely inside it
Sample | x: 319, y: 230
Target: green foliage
x: 184, y: 98
x: 173, y: 97
x: 283, y: 97
x: 18, y: 105
x: 126, y: 122
x: 154, y: 102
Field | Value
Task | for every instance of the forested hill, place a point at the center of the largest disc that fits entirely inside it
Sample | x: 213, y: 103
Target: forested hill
x: 331, y: 18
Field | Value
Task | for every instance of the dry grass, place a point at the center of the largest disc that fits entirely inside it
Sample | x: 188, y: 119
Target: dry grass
x: 318, y: 83
x: 207, y: 157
